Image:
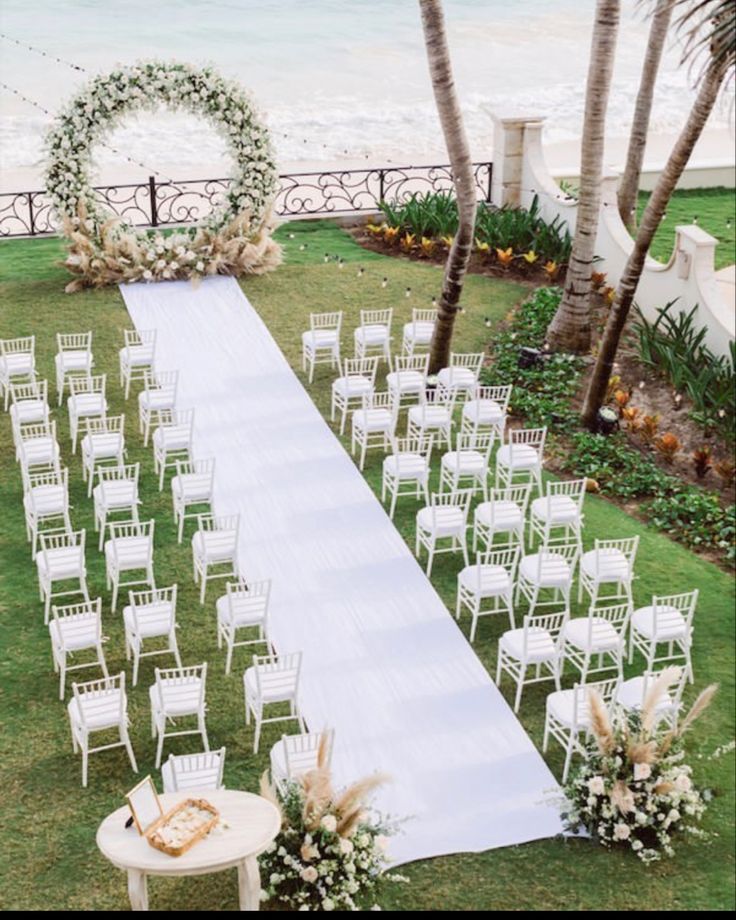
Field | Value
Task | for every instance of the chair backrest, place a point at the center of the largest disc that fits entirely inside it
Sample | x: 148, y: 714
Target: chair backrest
x: 121, y: 532
x: 479, y: 441
x: 112, y: 424
x: 423, y: 315
x: 550, y: 624
x: 301, y: 751
x: 685, y: 604
x: 33, y: 482
x: 677, y: 687
x: 627, y: 546
x: 165, y: 382
x: 529, y: 437
x: 500, y: 395
x: 458, y: 498
x: 251, y: 596
x: 438, y: 396
x: 226, y: 526
x: 177, y: 418
x: 472, y: 361
x: 549, y: 558
x: 278, y: 675
x: 416, y: 444
x: 518, y: 494
x: 89, y: 383
x: 385, y: 399
x: 136, y: 337
x: 31, y: 431
x: 145, y: 605
x: 506, y: 557
x: 197, y: 771
x: 105, y: 695
x: 327, y: 321
x: 23, y: 345
x: 606, y: 690
x: 418, y: 363
x: 127, y: 472
x: 31, y: 391
x: 74, y: 620
x: 570, y: 488
x: 178, y: 683
x: 74, y: 341
x: 360, y: 367
x: 615, y: 615
x: 377, y: 317
x: 200, y: 471
x: 72, y: 540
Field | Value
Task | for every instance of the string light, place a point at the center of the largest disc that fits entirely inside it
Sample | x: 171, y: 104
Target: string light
x: 408, y: 292
x: 326, y: 258
x: 384, y: 282
x: 361, y: 271
x: 341, y: 264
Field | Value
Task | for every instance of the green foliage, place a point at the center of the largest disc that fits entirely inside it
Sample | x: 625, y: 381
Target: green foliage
x: 697, y: 517
x: 676, y: 348
x: 618, y: 469
x: 434, y: 215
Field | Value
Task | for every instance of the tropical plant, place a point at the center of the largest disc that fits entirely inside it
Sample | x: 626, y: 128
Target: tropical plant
x: 570, y: 328
x: 634, y: 789
x: 451, y: 120
x: 726, y: 471
x: 668, y: 446
x: 710, y: 28
x: 648, y: 428
x: 628, y: 189
x: 702, y: 461
x: 330, y: 854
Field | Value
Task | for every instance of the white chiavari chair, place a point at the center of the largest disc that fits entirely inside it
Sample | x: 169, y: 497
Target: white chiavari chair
x: 73, y: 358
x: 150, y: 614
x: 356, y: 381
x: 182, y: 772
x: 137, y: 357
x: 272, y: 680
x: 192, y: 490
x: 295, y: 755
x: 86, y: 400
x: 444, y: 520
x: 178, y: 693
x: 609, y: 565
x: 374, y: 424
x: 129, y: 552
x: 215, y: 549
x: 243, y: 608
x: 406, y: 470
x: 467, y: 466
x: 321, y: 342
x: 102, y: 445
x: 487, y: 587
x: 418, y: 333
x: 488, y: 408
x: 17, y: 363
x: 666, y: 622
x: 158, y: 397
x: 522, y: 455
x: 172, y: 441
x: 374, y: 334
x: 601, y: 635
x: 46, y: 503
x: 504, y: 513
x: 461, y: 376
x: 558, y: 515
x: 76, y: 628
x: 535, y: 645
x: 59, y: 562
x: 116, y: 492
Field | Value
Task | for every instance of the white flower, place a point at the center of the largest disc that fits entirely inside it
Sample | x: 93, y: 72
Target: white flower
x: 674, y: 815
x: 328, y: 904
x: 642, y: 771
x: 346, y: 846
x: 329, y: 823
x: 173, y: 265
x: 596, y: 786
x: 147, y: 274
x: 161, y: 263
x: 636, y: 845
x: 683, y: 783
x: 621, y: 832
x: 309, y: 874
x: 200, y: 266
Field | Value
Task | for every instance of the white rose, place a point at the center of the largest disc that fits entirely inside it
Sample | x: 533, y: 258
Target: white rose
x: 674, y: 815
x: 161, y: 263
x: 621, y: 832
x: 346, y: 846
x: 642, y: 771
x: 147, y: 274
x: 309, y: 874
x: 199, y: 266
x: 637, y: 845
x: 329, y: 823
x: 683, y: 783
x: 173, y: 266
x: 328, y: 904
x: 596, y: 786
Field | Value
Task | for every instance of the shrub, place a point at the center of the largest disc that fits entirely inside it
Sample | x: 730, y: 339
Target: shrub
x: 697, y: 517
x: 618, y: 470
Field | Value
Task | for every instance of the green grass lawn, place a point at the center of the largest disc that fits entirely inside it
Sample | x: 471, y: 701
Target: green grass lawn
x: 49, y: 858
x: 715, y: 210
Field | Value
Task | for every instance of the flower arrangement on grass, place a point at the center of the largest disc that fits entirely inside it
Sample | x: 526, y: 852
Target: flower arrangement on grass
x: 331, y: 853
x: 634, y: 788
x: 103, y: 249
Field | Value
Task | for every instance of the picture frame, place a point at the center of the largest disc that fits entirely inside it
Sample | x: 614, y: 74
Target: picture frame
x: 145, y: 805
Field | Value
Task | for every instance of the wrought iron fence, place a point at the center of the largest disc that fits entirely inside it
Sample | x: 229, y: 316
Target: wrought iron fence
x: 311, y: 194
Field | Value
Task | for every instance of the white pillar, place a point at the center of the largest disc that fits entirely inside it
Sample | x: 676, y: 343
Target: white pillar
x: 508, y: 156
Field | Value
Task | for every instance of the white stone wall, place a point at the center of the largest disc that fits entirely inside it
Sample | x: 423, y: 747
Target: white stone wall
x: 520, y: 173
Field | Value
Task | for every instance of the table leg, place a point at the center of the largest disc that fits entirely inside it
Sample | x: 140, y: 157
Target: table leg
x: 249, y: 884
x: 137, y: 890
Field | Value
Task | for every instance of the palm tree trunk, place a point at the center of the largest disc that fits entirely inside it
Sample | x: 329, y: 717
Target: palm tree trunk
x: 570, y: 327
x: 678, y: 160
x: 628, y: 191
x: 448, y: 108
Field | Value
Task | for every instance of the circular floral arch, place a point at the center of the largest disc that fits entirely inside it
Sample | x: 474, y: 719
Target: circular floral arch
x: 103, y: 249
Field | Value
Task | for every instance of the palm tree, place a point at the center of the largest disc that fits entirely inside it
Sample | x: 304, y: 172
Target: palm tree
x: 710, y: 26
x: 570, y: 327
x: 448, y: 108
x: 628, y: 190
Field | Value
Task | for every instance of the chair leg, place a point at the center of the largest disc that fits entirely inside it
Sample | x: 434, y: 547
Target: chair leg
x: 129, y: 748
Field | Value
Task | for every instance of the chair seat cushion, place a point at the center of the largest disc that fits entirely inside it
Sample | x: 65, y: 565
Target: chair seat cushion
x: 86, y: 404
x: 102, y: 446
x: 445, y: 519
x: 557, y: 509
x: 61, y: 563
x: 561, y: 706
x: 406, y: 466
x: 116, y: 493
x: 75, y: 632
x: 172, y: 437
x: 602, y: 638
x: 506, y: 515
x: 630, y: 695
x: 430, y: 416
x: 214, y: 545
x: 128, y: 553
x: 554, y: 571
x: 100, y: 711
x: 240, y: 609
x: 523, y: 457
x: 354, y: 385
x: 605, y: 565
x: 73, y: 360
x: 670, y: 623
x: 153, y: 620
x: 29, y: 410
x: 420, y: 332
x: 46, y: 500
x: 137, y: 355
x: 39, y: 451
x: 469, y: 462
x: 153, y: 400
x: 320, y: 338
x: 540, y: 646
x: 179, y: 699
x: 494, y: 580
x: 193, y: 487
x: 406, y: 381
x: 483, y: 412
x: 373, y: 420
x: 377, y: 334
x: 20, y: 364
x: 274, y: 691
x: 462, y: 378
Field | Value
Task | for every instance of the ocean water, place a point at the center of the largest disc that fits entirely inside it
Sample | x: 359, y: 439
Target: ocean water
x: 337, y: 80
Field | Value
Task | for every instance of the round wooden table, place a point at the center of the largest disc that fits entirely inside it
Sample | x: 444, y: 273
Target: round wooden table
x: 252, y: 823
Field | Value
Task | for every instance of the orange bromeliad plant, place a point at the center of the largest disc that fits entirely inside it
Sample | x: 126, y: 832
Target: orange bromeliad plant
x: 505, y: 256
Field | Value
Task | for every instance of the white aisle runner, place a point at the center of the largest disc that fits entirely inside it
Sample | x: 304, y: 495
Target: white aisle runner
x: 384, y: 663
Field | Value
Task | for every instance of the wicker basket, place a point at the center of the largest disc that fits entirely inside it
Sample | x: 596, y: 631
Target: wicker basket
x: 153, y: 835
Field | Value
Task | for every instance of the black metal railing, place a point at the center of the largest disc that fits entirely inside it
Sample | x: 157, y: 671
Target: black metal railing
x: 310, y: 194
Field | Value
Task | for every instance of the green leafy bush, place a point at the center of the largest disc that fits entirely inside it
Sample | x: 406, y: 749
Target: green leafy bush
x: 696, y: 517
x: 675, y: 347
x: 434, y: 215
x: 618, y: 469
